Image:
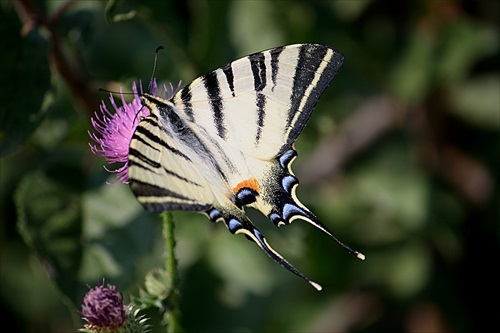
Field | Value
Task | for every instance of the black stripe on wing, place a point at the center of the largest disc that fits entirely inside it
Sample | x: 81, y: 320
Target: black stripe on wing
x: 158, y: 207
x: 261, y: 113
x: 142, y: 130
x: 145, y: 142
x: 312, y: 58
x: 145, y: 189
x: 309, y: 60
x: 159, y: 199
x: 228, y: 72
x: 143, y: 158
x: 211, y: 83
x: 275, y: 53
x: 184, y: 179
x: 186, y: 97
x: 258, y: 66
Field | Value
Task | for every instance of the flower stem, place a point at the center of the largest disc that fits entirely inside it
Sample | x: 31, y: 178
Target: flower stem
x: 173, y: 315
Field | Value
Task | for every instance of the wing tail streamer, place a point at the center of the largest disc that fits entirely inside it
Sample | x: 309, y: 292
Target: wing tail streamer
x: 286, y: 207
x: 242, y: 225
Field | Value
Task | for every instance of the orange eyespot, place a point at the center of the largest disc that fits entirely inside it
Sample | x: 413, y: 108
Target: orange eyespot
x: 250, y: 183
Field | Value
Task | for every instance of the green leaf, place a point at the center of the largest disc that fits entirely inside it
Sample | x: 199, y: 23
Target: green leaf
x: 115, y: 11
x: 135, y: 322
x: 464, y: 43
x: 157, y: 287
x: 49, y: 220
x: 26, y: 83
x: 477, y: 101
x: 118, y: 235
x: 412, y: 75
x: 254, y: 26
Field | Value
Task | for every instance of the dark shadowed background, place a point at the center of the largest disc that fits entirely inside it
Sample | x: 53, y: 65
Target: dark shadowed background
x: 400, y: 160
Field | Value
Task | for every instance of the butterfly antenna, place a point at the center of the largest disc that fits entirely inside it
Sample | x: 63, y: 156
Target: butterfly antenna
x: 154, y: 66
x: 115, y: 92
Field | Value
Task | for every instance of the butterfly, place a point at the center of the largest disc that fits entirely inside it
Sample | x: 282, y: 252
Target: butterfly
x: 225, y: 141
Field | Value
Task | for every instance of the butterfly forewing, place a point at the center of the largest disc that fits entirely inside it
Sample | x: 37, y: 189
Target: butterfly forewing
x: 161, y: 175
x: 261, y: 103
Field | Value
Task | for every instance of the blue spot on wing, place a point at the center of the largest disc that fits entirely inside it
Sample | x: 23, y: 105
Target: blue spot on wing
x: 288, y: 182
x: 286, y: 158
x: 290, y: 210
x: 234, y: 225
x: 214, y: 214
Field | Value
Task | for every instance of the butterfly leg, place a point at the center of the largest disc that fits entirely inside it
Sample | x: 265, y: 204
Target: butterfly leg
x: 242, y: 225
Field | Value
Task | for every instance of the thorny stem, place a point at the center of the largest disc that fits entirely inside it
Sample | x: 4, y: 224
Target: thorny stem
x: 173, y: 315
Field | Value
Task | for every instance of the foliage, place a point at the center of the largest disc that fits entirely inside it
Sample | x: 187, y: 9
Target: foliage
x: 400, y: 159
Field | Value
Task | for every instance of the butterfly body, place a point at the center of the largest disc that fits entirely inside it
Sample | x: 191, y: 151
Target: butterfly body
x: 225, y: 141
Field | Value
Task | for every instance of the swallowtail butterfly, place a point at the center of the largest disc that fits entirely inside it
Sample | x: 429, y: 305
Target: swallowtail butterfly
x: 225, y: 141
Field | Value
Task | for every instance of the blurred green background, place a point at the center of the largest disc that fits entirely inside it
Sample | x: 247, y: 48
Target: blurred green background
x: 400, y: 160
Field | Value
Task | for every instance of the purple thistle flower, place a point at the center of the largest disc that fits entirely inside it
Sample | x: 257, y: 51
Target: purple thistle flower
x: 103, y: 308
x: 115, y: 130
